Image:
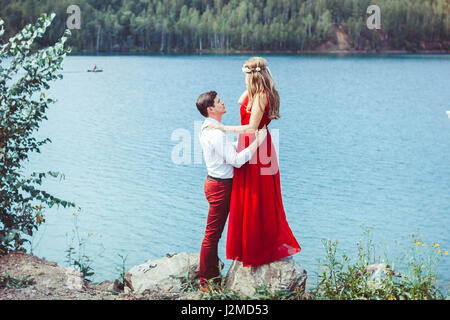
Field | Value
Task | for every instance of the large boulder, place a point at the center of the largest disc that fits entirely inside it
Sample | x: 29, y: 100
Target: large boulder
x: 165, y: 275
x: 283, y: 274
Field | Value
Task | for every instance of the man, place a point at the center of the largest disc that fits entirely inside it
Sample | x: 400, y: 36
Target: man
x: 220, y: 157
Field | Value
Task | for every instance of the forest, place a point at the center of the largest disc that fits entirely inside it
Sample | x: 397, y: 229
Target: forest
x: 178, y: 26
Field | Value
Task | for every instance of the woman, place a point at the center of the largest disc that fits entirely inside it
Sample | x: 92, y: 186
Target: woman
x: 258, y: 232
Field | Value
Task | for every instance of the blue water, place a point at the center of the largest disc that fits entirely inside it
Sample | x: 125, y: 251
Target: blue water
x: 364, y: 143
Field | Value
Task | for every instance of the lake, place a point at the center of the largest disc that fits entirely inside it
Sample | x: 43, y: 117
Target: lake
x: 363, y: 141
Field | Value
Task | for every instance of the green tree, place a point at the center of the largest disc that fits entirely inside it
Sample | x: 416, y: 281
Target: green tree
x: 21, y: 112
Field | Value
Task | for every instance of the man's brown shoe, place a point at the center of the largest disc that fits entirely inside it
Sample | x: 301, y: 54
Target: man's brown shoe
x: 209, y: 288
x: 205, y: 289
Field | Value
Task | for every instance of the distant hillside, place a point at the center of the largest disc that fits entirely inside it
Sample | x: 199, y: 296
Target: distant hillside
x: 340, y: 41
x: 240, y: 25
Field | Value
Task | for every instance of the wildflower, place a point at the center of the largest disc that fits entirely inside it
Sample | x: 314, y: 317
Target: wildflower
x: 423, y: 244
x: 446, y: 253
x: 73, y: 230
x: 368, y: 230
x: 390, y: 298
x: 421, y: 235
x: 417, y: 243
x: 439, y: 251
x: 436, y: 245
x: 73, y: 214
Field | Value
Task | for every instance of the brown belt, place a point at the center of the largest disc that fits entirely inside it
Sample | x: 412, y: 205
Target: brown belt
x: 219, y: 179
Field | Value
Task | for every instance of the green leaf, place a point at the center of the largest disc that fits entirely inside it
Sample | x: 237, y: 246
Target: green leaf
x: 27, y: 104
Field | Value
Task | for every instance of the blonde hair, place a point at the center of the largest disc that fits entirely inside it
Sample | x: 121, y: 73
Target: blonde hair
x: 260, y: 82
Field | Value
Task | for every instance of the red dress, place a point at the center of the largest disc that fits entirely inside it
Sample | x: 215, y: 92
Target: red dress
x: 258, y: 232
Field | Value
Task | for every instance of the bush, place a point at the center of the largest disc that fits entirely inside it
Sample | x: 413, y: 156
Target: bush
x: 366, y: 277
x: 22, y: 108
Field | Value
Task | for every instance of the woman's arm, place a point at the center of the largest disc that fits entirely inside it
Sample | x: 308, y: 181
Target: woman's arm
x: 228, y: 152
x: 258, y: 107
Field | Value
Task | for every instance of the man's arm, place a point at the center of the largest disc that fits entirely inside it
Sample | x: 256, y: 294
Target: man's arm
x: 227, y: 150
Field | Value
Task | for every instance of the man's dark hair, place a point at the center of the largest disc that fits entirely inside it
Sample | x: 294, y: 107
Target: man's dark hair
x: 204, y: 101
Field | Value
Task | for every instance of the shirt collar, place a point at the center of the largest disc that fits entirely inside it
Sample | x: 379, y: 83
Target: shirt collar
x: 209, y: 120
x: 212, y: 120
x: 206, y: 122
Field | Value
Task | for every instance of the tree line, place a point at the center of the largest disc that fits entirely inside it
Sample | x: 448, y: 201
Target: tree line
x: 231, y: 25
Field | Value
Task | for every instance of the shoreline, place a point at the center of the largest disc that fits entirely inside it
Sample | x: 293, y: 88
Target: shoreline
x: 24, y: 276
x: 267, y: 52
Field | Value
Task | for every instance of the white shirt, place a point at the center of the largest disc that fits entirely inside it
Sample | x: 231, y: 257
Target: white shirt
x: 220, y: 153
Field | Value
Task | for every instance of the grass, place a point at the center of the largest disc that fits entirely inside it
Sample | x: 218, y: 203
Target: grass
x: 76, y: 253
x: 122, y: 273
x: 368, y: 276
x: 6, y: 281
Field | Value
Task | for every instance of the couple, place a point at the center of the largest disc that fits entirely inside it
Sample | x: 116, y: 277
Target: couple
x: 243, y: 180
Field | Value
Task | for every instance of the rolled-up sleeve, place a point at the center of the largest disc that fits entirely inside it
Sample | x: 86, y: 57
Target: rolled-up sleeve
x: 227, y: 150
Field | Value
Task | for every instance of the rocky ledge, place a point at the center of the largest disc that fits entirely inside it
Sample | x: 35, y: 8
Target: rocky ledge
x: 27, y: 277
x: 174, y: 277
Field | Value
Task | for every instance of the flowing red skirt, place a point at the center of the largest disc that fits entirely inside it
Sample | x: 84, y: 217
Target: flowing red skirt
x: 258, y: 232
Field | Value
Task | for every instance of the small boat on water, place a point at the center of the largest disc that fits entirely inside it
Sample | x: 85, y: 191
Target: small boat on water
x: 95, y: 69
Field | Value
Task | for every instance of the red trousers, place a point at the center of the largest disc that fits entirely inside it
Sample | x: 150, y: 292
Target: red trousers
x: 218, y: 195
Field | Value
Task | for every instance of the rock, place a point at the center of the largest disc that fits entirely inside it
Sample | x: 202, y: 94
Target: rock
x: 378, y: 272
x: 49, y: 281
x: 163, y: 275
x: 117, y: 286
x: 377, y: 268
x: 74, y: 279
x: 283, y: 274
x: 106, y: 285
